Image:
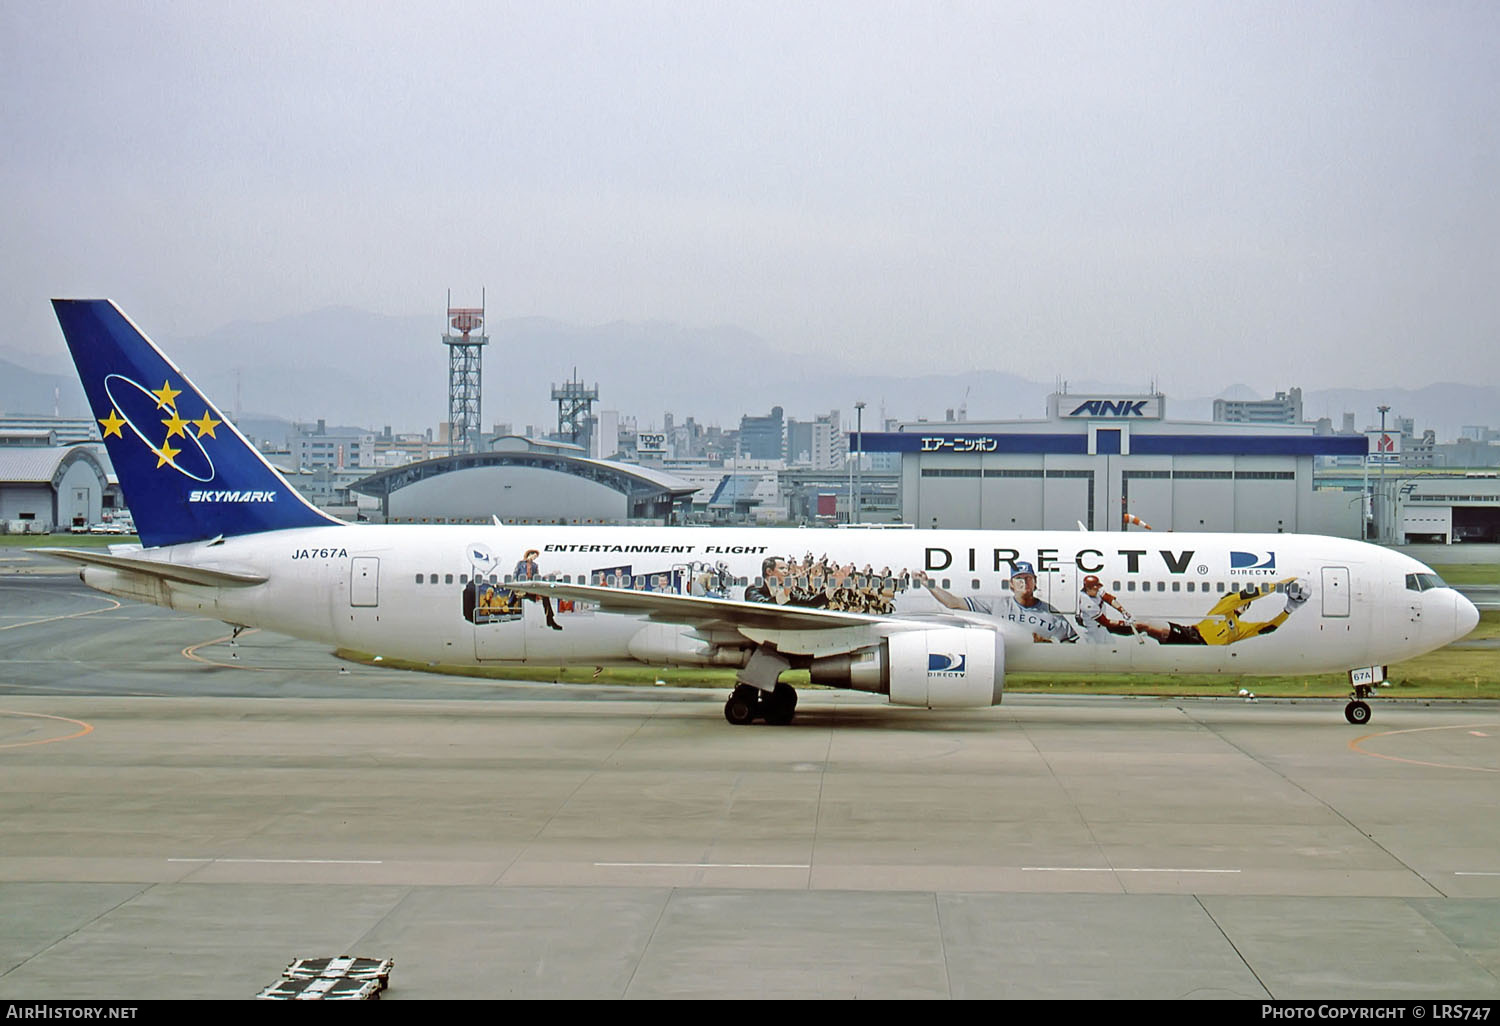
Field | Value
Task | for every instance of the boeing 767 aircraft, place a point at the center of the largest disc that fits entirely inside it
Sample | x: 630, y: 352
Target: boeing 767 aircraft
x: 927, y: 618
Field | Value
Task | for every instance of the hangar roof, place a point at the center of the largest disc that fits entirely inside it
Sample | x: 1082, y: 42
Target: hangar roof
x: 30, y: 464
x: 633, y: 481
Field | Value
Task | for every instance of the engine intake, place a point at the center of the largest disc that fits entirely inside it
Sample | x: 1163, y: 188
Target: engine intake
x: 941, y: 668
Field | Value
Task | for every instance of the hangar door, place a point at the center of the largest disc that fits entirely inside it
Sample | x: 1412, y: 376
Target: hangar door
x: 364, y: 581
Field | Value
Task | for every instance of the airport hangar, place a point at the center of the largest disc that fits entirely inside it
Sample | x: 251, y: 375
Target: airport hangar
x: 47, y: 488
x: 1097, y: 457
x: 526, y: 481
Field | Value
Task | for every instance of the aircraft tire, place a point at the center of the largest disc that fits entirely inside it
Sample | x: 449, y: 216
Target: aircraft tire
x: 741, y: 709
x: 781, y: 706
x: 1357, y: 713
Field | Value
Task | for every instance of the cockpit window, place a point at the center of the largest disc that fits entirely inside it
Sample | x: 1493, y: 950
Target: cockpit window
x: 1424, y: 582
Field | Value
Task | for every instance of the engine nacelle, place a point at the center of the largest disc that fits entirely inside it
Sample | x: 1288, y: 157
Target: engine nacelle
x: 669, y: 644
x: 941, y: 668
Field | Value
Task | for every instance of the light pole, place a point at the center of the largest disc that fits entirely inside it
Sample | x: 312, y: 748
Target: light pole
x: 859, y: 445
x: 1380, y: 531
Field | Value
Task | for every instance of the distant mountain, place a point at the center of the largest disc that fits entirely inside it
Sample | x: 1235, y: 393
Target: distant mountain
x: 37, y: 393
x: 1445, y: 408
x: 353, y: 367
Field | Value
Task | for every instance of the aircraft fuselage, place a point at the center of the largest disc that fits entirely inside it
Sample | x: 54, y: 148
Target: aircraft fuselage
x: 417, y: 592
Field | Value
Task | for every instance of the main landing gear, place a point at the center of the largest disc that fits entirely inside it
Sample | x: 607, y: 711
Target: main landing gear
x: 749, y: 703
x: 1357, y: 711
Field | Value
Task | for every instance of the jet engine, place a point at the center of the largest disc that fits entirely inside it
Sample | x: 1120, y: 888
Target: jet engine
x: 940, y: 668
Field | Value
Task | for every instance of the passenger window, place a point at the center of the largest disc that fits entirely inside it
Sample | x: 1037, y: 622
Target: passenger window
x: 1176, y: 585
x: 1130, y: 586
x: 432, y: 578
x: 447, y: 578
x: 419, y: 578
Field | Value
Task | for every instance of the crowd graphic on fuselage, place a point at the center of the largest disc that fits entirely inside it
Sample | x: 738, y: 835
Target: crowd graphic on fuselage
x: 818, y: 582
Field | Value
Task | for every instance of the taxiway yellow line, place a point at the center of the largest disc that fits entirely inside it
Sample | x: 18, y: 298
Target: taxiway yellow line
x: 191, y: 652
x: 1472, y: 728
x: 65, y: 616
x: 88, y: 728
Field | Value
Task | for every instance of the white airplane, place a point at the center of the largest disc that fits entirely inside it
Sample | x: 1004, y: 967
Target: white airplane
x: 927, y: 618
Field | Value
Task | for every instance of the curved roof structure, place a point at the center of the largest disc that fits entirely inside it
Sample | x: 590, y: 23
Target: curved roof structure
x: 647, y: 493
x: 25, y: 464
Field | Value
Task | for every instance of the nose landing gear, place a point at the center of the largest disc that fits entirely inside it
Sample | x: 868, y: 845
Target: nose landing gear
x: 1357, y: 711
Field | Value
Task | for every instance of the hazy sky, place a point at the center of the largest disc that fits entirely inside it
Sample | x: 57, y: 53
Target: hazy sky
x: 1276, y: 193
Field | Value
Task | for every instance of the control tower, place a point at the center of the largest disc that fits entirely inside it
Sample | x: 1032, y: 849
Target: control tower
x: 465, y: 373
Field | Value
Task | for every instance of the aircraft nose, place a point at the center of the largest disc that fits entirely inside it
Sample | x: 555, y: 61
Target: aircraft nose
x: 1466, y: 616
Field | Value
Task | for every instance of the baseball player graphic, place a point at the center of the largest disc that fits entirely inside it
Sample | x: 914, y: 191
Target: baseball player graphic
x: 1021, y: 607
x: 1092, y: 619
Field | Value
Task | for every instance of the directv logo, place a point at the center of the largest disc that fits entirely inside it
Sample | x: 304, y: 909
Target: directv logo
x: 1253, y: 563
x: 946, y: 664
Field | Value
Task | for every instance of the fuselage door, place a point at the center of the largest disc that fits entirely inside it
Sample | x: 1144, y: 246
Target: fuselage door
x: 1056, y: 589
x: 1335, y: 591
x: 364, y: 581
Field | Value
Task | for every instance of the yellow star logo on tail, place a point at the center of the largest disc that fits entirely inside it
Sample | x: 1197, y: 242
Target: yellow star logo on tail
x: 165, y: 394
x: 166, y: 454
x: 176, y: 425
x: 205, y: 425
x: 112, y: 424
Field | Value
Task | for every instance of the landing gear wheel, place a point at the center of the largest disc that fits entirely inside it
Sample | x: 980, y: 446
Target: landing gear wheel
x: 743, y: 706
x: 780, y: 705
x: 1357, y: 711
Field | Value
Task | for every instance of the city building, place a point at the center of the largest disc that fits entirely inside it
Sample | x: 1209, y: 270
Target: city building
x: 47, y: 431
x: 1286, y: 408
x: 763, y: 438
x: 338, y: 448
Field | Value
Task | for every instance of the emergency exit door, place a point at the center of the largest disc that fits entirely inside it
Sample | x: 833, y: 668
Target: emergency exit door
x: 1336, y: 591
x: 364, y: 581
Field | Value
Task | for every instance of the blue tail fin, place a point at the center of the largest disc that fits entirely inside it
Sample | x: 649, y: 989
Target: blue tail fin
x: 187, y: 473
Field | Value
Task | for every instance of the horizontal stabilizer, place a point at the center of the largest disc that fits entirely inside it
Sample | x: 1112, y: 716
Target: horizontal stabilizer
x: 179, y: 572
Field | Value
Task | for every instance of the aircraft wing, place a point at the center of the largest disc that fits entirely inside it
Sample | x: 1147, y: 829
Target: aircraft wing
x: 700, y: 611
x: 181, y: 573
